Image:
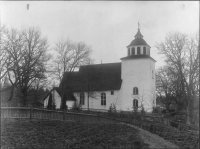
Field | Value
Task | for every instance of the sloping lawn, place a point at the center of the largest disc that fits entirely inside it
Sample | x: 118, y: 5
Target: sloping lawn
x: 24, y: 134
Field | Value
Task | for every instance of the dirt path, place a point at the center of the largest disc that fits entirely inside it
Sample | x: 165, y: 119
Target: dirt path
x: 154, y: 141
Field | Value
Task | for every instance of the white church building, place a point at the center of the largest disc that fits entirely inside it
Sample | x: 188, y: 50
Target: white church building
x: 128, y: 84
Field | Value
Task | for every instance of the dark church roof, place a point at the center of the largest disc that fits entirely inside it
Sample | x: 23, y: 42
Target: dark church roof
x: 99, y: 77
x: 137, y: 57
x: 138, y: 41
x: 69, y: 96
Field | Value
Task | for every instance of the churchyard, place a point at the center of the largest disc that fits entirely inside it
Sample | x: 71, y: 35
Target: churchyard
x: 40, y: 128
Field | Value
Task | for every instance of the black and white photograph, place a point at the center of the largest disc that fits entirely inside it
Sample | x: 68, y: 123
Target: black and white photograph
x: 99, y: 74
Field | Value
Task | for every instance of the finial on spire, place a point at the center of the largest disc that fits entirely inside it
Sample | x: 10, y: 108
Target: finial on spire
x: 138, y: 26
x: 138, y: 35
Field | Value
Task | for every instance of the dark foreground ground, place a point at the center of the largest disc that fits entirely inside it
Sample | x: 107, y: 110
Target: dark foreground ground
x: 24, y: 134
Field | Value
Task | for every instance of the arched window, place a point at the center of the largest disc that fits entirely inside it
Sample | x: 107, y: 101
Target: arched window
x: 82, y: 99
x: 138, y: 50
x: 129, y: 51
x: 144, y: 50
x: 133, y: 50
x: 135, y: 91
x: 135, y: 103
x: 103, y: 99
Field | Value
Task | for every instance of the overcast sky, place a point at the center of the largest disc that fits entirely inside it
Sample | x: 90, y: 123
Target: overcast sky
x: 108, y: 26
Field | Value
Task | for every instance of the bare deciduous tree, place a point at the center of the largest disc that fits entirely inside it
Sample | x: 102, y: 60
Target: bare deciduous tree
x: 27, y: 52
x: 166, y: 87
x: 4, y: 58
x: 182, y: 55
x: 70, y: 57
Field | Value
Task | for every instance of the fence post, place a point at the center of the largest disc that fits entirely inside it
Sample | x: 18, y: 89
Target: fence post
x: 63, y: 114
x: 31, y: 113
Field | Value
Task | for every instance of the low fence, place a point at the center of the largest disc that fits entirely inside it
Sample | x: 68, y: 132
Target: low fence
x: 35, y: 113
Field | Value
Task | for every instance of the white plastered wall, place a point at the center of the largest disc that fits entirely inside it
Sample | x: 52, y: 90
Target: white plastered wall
x: 137, y: 73
x: 46, y: 102
x: 95, y: 102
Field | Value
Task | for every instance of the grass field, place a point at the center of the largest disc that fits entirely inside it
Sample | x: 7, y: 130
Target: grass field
x: 24, y: 134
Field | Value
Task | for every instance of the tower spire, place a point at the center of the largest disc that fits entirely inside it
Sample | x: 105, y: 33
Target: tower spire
x: 138, y: 35
x: 138, y: 26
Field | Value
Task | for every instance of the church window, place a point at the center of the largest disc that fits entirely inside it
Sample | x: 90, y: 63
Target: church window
x: 135, y: 91
x: 103, y: 99
x: 82, y: 99
x: 133, y: 51
x: 129, y: 50
x: 135, y: 103
x: 112, y: 92
x: 144, y: 50
x: 138, y: 50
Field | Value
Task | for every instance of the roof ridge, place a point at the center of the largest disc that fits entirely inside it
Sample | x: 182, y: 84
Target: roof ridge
x: 101, y: 64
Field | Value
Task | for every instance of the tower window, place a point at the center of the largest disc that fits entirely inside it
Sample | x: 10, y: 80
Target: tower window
x: 133, y: 51
x: 138, y: 50
x: 103, y: 99
x: 135, y: 103
x: 82, y: 99
x: 144, y: 50
x: 129, y: 50
x: 112, y: 92
x: 135, y: 91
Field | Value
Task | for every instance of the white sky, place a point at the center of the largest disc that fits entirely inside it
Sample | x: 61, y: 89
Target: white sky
x: 108, y: 26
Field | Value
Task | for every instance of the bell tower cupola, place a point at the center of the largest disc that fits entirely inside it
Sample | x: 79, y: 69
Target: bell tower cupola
x: 138, y: 46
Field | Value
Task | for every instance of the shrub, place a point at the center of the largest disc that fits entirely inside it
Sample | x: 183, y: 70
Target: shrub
x: 156, y: 110
x: 163, y: 111
x: 135, y: 109
x: 112, y: 108
x: 174, y: 124
x: 76, y: 107
x: 142, y: 111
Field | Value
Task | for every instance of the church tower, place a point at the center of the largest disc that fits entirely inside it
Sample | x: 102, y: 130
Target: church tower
x: 138, y: 76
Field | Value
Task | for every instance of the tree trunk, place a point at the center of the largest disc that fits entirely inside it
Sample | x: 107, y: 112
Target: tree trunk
x: 167, y: 106
x: 88, y: 102
x: 49, y: 106
x: 63, y: 101
x: 11, y: 95
x: 24, y: 100
x: 188, y: 116
x: 190, y: 113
